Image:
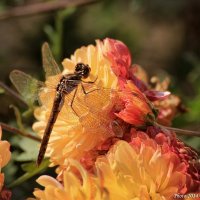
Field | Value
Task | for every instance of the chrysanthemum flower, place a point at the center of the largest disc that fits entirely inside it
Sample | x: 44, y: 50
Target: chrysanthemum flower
x: 168, y: 107
x: 167, y: 104
x: 142, y: 170
x: 187, y: 155
x: 72, y: 135
x: 137, y: 110
x: 139, y: 170
x: 74, y: 187
x: 119, y: 56
x: 5, y: 155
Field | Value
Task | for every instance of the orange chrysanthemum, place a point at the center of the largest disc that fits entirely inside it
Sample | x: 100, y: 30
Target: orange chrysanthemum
x: 5, y: 155
x: 169, y: 142
x: 140, y: 170
x: 73, y: 187
x: 72, y: 135
x: 119, y: 56
x: 137, y: 110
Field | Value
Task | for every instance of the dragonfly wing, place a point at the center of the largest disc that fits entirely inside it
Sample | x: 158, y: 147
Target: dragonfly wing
x: 102, y: 103
x: 26, y: 85
x: 50, y: 66
x: 89, y: 109
x: 74, y: 106
x: 97, y: 99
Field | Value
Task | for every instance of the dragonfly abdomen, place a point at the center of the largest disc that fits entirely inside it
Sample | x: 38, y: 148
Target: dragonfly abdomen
x: 57, y: 105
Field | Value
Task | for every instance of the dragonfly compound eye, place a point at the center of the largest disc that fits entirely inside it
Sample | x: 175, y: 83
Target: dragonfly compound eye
x: 79, y: 67
x: 86, y: 71
x: 82, y: 69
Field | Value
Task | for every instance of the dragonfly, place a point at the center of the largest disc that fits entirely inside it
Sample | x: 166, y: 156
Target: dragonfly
x: 67, y: 85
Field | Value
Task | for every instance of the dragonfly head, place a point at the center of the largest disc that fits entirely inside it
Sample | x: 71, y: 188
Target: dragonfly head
x: 82, y: 70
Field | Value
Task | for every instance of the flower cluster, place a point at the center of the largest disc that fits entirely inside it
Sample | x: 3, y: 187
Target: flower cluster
x: 126, y: 172
x: 112, y: 147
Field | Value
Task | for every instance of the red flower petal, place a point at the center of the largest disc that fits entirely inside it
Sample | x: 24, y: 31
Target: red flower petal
x: 118, y: 53
x: 136, y: 108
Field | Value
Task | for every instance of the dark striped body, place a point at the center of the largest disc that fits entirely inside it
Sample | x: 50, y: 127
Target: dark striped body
x: 67, y: 84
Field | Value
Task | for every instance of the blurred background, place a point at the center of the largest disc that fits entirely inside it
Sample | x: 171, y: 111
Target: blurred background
x: 163, y: 37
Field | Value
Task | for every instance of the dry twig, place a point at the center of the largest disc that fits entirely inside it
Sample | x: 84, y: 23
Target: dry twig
x: 19, y: 132
x: 42, y: 7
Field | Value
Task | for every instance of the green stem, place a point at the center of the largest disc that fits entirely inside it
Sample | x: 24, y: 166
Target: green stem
x: 59, y: 27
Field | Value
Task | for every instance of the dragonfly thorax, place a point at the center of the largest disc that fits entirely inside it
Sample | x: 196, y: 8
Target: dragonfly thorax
x: 68, y: 83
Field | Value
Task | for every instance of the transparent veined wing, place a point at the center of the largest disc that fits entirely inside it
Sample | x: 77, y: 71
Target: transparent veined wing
x: 103, y: 104
x: 100, y: 103
x: 96, y: 108
x: 50, y: 66
x: 26, y: 85
x: 100, y: 97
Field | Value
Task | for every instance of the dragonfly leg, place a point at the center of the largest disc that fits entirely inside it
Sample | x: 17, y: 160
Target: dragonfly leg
x: 90, y: 82
x: 87, y: 92
x: 71, y: 104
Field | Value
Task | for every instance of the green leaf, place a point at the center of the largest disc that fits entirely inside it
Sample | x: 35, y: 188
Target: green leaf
x: 49, y: 32
x: 194, y: 142
x: 30, y: 150
x: 31, y: 170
